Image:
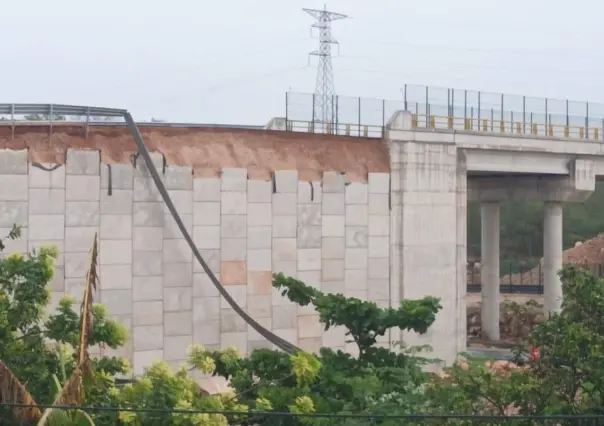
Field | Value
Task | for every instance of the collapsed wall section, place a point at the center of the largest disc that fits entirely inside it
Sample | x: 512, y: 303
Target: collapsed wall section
x: 330, y: 233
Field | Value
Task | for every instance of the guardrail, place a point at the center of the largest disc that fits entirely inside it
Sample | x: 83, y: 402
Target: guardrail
x: 342, y: 129
x: 493, y: 125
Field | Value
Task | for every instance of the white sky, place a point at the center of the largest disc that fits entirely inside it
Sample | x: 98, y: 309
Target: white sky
x: 232, y: 61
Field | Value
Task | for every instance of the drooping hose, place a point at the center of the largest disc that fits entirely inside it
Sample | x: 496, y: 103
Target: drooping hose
x: 282, y: 344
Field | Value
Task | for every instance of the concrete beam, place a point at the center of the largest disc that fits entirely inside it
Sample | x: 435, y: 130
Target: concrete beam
x: 400, y: 128
x: 495, y: 161
x: 576, y: 188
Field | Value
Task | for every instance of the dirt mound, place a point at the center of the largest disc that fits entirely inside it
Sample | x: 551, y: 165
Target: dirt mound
x: 515, y: 322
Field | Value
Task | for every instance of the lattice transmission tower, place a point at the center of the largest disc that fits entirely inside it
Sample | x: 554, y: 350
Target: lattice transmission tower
x: 324, y: 111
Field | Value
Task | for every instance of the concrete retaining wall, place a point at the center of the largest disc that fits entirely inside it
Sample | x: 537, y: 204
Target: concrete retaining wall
x: 330, y: 233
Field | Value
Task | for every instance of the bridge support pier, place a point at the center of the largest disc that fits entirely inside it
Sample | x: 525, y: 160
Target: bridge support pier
x: 490, y: 269
x: 552, y: 255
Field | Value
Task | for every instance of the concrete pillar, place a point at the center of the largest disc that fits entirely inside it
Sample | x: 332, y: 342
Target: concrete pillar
x: 552, y: 255
x: 490, y: 270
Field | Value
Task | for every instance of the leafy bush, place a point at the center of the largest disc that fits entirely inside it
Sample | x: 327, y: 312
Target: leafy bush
x: 38, y: 357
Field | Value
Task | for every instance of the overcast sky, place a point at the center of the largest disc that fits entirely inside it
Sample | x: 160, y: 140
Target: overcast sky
x: 232, y: 61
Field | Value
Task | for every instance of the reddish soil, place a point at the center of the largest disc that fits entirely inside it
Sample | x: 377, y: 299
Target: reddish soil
x: 208, y: 150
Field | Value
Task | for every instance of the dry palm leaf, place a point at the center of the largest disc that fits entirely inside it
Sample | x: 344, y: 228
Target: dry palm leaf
x: 72, y: 392
x: 86, y: 308
x: 12, y: 391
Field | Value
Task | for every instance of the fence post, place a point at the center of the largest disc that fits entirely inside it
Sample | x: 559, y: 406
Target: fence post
x: 478, y: 116
x: 448, y: 102
x: 286, y: 111
x: 524, y: 115
x: 337, y: 119
x: 492, y: 118
x: 312, y: 123
x: 359, y: 116
x: 512, y: 121
x: 453, y: 104
x: 465, y: 107
x: 50, y: 119
x: 383, y: 117
x: 332, y: 114
x: 427, y: 107
x: 546, y: 121
x: 586, y: 120
x: 567, y: 119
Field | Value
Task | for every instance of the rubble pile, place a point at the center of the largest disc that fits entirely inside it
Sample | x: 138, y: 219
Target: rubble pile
x: 515, y: 322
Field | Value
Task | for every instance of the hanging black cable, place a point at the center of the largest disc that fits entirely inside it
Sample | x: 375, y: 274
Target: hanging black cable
x: 142, y: 151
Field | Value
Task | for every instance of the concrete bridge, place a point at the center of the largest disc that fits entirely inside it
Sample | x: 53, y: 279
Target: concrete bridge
x: 380, y: 219
x: 440, y: 163
x: 449, y: 167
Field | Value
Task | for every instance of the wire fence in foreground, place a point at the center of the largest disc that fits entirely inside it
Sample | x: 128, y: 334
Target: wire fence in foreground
x: 285, y: 418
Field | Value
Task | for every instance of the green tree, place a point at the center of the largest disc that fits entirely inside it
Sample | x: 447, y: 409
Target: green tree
x: 567, y: 379
x: 29, y: 343
x: 375, y: 381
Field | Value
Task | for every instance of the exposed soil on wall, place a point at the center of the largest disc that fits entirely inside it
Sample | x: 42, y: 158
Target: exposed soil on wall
x: 208, y: 150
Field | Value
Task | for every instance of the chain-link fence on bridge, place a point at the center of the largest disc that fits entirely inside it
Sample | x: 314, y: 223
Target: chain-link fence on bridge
x: 352, y: 116
x: 453, y: 109
x: 503, y: 113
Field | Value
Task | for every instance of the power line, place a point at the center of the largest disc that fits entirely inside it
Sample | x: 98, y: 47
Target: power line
x: 324, y: 89
x: 221, y: 85
x: 464, y: 65
x: 277, y: 414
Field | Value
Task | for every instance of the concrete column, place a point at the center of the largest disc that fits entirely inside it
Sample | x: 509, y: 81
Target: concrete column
x: 490, y: 270
x: 552, y: 255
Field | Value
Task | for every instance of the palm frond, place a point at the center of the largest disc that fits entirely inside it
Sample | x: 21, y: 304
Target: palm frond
x: 12, y: 391
x: 86, y: 308
x: 72, y: 392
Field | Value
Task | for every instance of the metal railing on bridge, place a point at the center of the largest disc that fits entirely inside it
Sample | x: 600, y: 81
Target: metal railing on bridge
x: 352, y: 116
x: 451, y: 109
x: 477, y: 111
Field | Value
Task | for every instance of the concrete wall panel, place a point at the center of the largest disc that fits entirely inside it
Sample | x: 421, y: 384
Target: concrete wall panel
x: 328, y: 233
